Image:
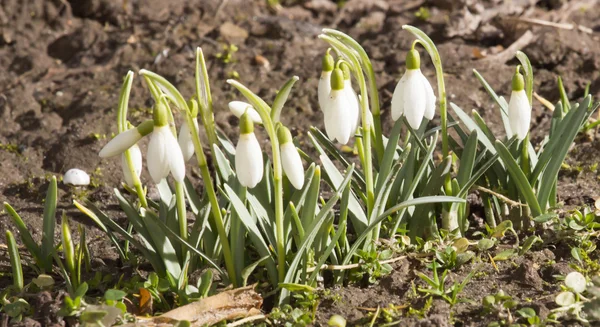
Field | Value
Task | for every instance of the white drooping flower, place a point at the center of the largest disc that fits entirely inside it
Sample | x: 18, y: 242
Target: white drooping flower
x: 338, y: 119
x: 248, y: 154
x: 413, y: 96
x: 136, y: 159
x: 324, y: 87
x: 353, y: 109
x: 238, y: 108
x: 126, y: 140
x: 185, y: 140
x: 76, y: 177
x: 519, y: 110
x: 164, y: 155
x: 290, y: 158
x: 576, y: 281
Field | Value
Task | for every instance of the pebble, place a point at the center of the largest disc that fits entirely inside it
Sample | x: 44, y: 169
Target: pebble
x: 76, y: 177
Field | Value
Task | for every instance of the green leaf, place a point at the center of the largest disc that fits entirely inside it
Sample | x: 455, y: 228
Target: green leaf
x: 166, y: 87
x: 526, y: 64
x: 248, y: 270
x: 485, y: 244
x: 92, y: 317
x: 519, y: 178
x: 253, y: 231
x: 529, y: 243
x: 471, y: 126
x: 467, y: 159
x: 292, y: 287
x: 545, y: 217
x: 505, y: 255
x: 388, y: 155
x: 26, y: 237
x: 114, y: 295
x: 15, y: 261
x: 49, y: 224
x: 281, y: 98
x: 576, y: 254
x: 526, y: 312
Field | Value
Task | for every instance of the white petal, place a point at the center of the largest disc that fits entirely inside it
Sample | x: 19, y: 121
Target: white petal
x: 576, y: 281
x: 248, y: 160
x: 429, y: 97
x: 136, y: 159
x: 398, y: 98
x: 158, y: 165
x: 414, y: 98
x: 120, y: 143
x: 239, y: 107
x: 292, y: 165
x: 185, y: 140
x: 175, y: 160
x: 324, y: 90
x: 338, y: 120
x: 519, y: 114
x: 354, y: 108
x: 76, y: 177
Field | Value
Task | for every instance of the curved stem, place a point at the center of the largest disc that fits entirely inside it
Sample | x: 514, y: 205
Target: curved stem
x: 205, y: 99
x: 264, y: 110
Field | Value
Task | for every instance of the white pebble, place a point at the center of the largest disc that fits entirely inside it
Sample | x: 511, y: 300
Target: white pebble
x: 76, y: 177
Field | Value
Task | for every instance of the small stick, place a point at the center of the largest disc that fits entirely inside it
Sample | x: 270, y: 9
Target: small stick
x: 543, y: 101
x: 352, y: 266
x: 509, y: 53
x: 541, y: 22
x: 246, y: 320
x: 500, y: 196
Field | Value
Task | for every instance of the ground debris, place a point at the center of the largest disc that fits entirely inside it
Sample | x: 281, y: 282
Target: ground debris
x: 233, y: 304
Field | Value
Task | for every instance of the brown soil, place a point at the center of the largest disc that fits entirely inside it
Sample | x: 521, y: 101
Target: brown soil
x: 63, y: 64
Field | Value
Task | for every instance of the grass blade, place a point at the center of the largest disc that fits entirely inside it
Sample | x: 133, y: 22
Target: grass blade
x: 49, y: 224
x: 15, y: 261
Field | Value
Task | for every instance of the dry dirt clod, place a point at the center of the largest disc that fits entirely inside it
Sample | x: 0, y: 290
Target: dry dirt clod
x: 527, y: 274
x: 233, y: 33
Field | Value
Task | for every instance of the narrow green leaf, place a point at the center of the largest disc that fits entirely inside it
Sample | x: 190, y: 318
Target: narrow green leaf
x: 467, y: 159
x: 165, y: 86
x: 26, y: 237
x: 519, y: 178
x: 49, y: 224
x: 471, y: 125
x: 281, y: 98
x: 388, y: 155
x: 15, y: 261
x: 248, y: 270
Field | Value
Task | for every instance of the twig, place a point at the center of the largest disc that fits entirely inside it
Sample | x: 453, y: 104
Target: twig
x: 543, y: 101
x: 245, y: 320
x: 541, y: 22
x: 509, y: 53
x: 500, y: 196
x: 352, y: 266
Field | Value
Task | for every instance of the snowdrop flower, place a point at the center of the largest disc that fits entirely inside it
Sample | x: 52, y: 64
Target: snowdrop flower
x: 519, y: 110
x: 126, y: 140
x: 185, y: 140
x: 238, y: 108
x: 338, y: 119
x: 324, y: 82
x: 290, y: 158
x: 76, y: 177
x: 353, y: 109
x: 413, y: 95
x: 248, y: 154
x: 136, y: 159
x: 164, y: 155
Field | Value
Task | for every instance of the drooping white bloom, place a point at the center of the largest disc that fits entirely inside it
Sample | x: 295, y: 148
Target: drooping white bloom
x: 353, y: 109
x: 290, y: 158
x: 136, y: 159
x: 519, y: 110
x: 164, y: 155
x: 413, y: 95
x: 120, y: 143
x: 238, y: 108
x: 324, y: 87
x: 248, y: 154
x: 185, y: 140
x: 76, y: 177
x: 338, y: 119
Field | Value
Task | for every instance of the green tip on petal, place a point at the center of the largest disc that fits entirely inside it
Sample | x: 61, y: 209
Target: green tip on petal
x: 246, y: 124
x: 518, y: 82
x: 160, y: 114
x: 284, y: 135
x: 146, y: 127
x: 413, y: 59
x: 345, y: 69
x: 328, y: 62
x: 337, y: 79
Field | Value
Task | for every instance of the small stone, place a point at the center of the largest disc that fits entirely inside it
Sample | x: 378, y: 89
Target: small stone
x: 233, y: 33
x: 76, y: 177
x: 527, y: 274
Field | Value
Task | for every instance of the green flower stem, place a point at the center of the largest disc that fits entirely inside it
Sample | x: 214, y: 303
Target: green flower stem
x: 264, y: 111
x: 205, y: 99
x: 122, y: 127
x: 181, y: 214
x: 367, y: 129
x: 373, y: 91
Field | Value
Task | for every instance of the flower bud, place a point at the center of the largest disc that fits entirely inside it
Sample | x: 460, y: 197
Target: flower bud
x: 248, y: 154
x: 290, y: 158
x: 519, y: 110
x: 324, y: 87
x: 185, y: 140
x: 76, y: 177
x: 126, y: 139
x: 136, y: 159
x: 338, y: 119
x: 238, y: 108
